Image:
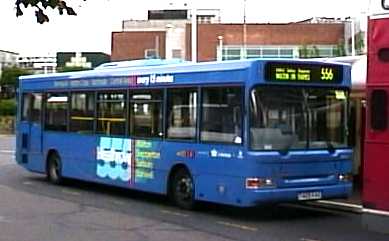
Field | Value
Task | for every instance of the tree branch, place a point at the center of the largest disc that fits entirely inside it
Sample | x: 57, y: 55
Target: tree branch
x: 41, y: 8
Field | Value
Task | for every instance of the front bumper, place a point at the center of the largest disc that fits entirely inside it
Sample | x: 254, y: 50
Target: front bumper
x: 279, y: 195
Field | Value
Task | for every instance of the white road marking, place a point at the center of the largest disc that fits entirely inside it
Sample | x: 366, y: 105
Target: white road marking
x: 174, y: 213
x: 235, y: 225
x: 118, y: 203
x: 3, y: 220
x: 28, y: 183
x: 71, y: 192
x: 308, y: 239
x: 349, y: 205
x: 7, y: 151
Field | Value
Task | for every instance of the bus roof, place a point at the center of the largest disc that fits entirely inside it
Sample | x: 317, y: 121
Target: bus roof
x: 146, y: 67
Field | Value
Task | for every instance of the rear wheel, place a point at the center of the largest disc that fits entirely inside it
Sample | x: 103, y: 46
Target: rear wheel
x: 54, y: 169
x: 182, y: 189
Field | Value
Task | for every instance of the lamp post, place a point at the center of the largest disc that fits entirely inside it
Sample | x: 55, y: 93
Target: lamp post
x: 244, y: 31
x: 194, y: 34
x: 352, y: 36
x: 350, y: 21
x: 220, y: 55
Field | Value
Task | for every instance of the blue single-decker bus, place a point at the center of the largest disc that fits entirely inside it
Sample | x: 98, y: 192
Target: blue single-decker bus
x: 241, y: 133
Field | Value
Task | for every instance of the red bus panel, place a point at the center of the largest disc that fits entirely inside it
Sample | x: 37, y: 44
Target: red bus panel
x: 376, y: 156
x: 378, y: 45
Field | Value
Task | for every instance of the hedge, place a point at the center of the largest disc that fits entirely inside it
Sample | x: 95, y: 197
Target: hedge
x: 7, y: 107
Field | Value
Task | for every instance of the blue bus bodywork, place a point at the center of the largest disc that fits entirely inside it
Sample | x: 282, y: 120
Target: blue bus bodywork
x: 220, y: 172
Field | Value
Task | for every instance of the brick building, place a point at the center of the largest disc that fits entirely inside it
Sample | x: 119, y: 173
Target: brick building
x: 266, y: 40
x: 171, y: 38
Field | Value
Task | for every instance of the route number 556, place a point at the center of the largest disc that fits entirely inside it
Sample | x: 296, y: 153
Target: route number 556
x: 327, y: 74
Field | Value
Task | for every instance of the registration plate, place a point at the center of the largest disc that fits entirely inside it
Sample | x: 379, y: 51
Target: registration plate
x: 309, y: 196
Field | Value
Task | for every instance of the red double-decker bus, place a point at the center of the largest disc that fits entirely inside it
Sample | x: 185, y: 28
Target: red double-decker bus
x: 376, y: 163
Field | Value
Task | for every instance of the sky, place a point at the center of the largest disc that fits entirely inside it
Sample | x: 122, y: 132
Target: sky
x: 91, y: 29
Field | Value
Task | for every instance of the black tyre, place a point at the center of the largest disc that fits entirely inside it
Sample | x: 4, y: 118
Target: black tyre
x: 183, y: 189
x: 54, y: 169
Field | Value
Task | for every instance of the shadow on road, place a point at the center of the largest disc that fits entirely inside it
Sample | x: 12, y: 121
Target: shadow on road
x: 96, y: 194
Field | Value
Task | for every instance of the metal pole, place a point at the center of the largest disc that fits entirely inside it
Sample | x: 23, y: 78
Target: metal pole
x: 194, y: 34
x: 352, y: 36
x: 220, y: 38
x: 244, y: 31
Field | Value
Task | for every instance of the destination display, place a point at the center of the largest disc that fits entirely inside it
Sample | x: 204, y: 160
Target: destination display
x: 308, y: 73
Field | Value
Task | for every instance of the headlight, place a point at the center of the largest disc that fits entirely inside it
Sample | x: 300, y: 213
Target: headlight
x: 347, y: 177
x: 255, y: 183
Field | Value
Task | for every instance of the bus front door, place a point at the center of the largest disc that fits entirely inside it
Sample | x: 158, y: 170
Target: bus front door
x: 30, y: 134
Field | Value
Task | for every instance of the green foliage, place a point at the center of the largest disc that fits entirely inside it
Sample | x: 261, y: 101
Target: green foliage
x: 340, y: 49
x: 72, y: 69
x: 359, y: 42
x: 315, y: 52
x: 41, y: 6
x: 303, y: 51
x: 7, y: 107
x: 10, y: 76
x: 308, y: 51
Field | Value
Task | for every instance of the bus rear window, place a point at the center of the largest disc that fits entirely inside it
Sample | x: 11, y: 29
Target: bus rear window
x: 379, y: 110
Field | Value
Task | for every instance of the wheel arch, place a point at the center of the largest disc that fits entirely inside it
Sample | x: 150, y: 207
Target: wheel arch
x: 50, y: 152
x: 173, y: 171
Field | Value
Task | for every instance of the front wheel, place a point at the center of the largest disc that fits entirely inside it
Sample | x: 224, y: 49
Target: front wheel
x: 182, y: 189
x: 54, y: 169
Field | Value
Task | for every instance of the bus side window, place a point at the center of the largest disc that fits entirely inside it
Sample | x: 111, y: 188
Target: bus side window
x: 82, y: 112
x: 57, y: 111
x: 182, y: 113
x: 32, y: 107
x: 26, y: 107
x: 379, y: 110
x: 146, y: 113
x: 222, y: 115
x: 111, y: 113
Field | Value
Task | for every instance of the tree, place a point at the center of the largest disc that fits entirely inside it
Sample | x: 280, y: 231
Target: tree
x: 303, y: 51
x: 9, y: 80
x: 360, y: 43
x: 340, y: 49
x: 41, y: 6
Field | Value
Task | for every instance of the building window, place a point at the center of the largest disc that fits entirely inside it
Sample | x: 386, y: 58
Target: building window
x: 82, y: 112
x: 270, y: 53
x: 146, y: 112
x: 56, y: 111
x: 314, y: 51
x: 221, y: 116
x: 182, y: 113
x: 254, y: 53
x: 239, y: 52
x: 231, y: 53
x: 286, y: 53
x: 151, y: 54
x: 177, y: 53
x: 111, y: 113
